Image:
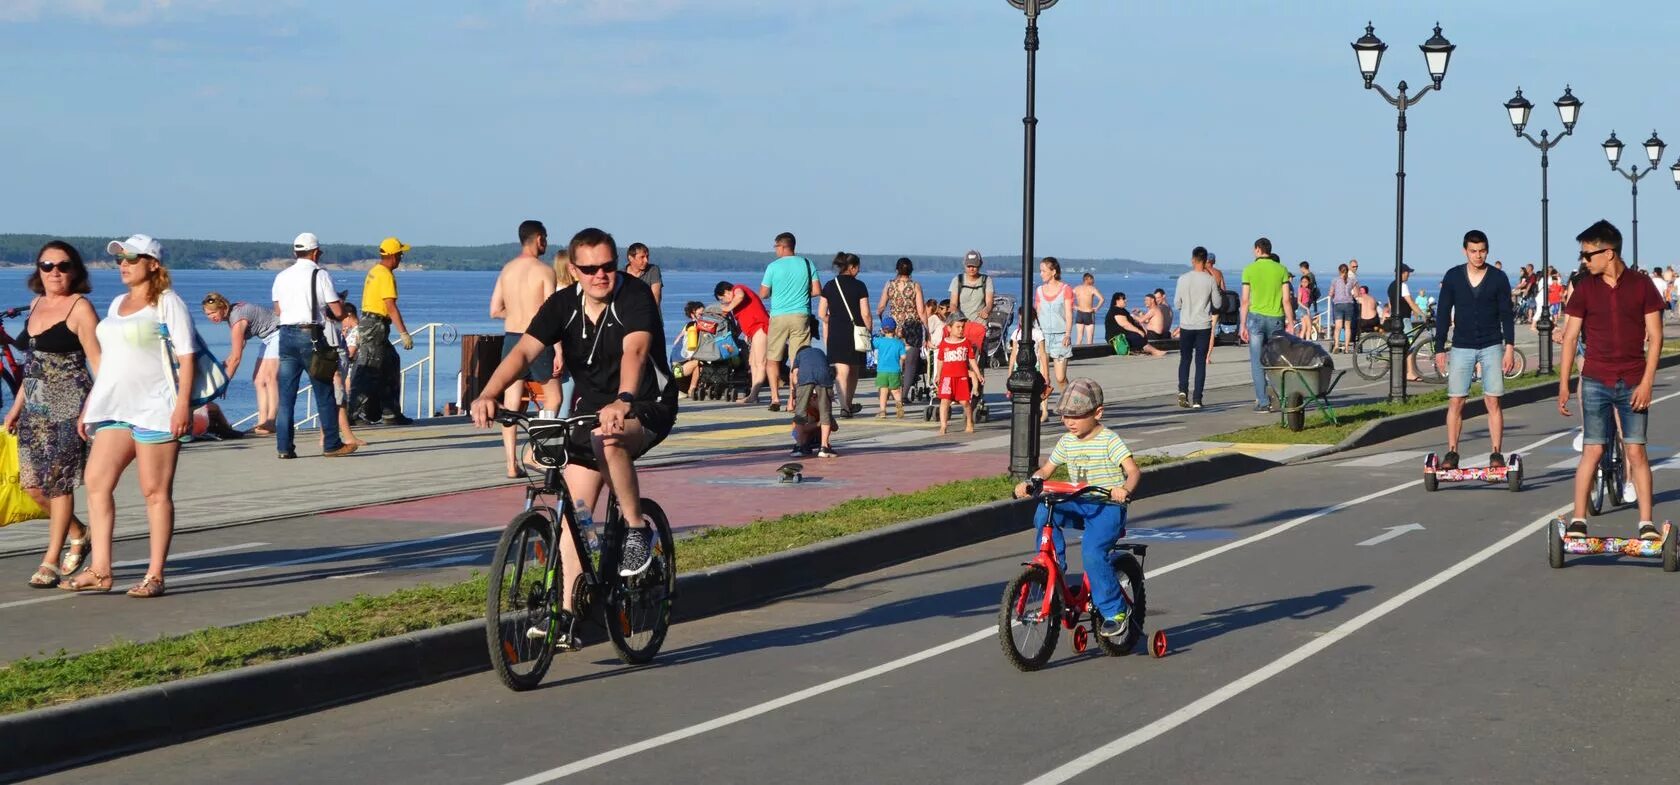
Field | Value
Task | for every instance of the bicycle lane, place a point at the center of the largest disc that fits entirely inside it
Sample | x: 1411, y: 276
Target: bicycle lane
x: 735, y: 662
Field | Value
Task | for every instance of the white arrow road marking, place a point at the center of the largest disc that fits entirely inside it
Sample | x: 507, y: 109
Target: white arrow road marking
x: 1393, y: 531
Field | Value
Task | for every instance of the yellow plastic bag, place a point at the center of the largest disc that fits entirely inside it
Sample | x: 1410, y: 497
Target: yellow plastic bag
x: 15, y: 504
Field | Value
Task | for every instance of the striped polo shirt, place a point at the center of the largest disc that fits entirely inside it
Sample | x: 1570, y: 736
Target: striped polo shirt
x: 1095, y: 459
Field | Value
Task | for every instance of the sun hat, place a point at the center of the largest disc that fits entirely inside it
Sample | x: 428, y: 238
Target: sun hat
x: 1082, y: 396
x: 306, y: 242
x: 391, y: 246
x: 136, y: 245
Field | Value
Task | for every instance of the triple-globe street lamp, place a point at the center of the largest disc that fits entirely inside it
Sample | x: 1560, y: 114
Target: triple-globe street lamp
x: 1026, y: 388
x: 1437, y: 51
x: 1654, y: 150
x: 1569, y: 111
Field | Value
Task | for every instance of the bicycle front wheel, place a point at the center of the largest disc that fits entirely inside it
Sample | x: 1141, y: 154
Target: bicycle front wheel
x: 1521, y: 364
x: 1370, y: 356
x: 639, y: 608
x: 519, y: 617
x: 1026, y: 633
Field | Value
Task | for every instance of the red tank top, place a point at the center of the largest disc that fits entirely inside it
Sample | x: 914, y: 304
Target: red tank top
x: 953, y: 358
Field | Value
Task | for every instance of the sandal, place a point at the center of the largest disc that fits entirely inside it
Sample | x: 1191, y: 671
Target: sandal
x: 46, y: 576
x: 150, y: 586
x: 101, y: 583
x: 75, y: 552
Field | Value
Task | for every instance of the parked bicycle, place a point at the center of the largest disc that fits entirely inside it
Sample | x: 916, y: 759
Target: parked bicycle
x: 524, y: 620
x: 11, y: 371
x: 1038, y: 603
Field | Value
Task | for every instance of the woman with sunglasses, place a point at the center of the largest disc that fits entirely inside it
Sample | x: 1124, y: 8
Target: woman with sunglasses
x: 51, y: 453
x: 135, y: 412
x: 247, y: 321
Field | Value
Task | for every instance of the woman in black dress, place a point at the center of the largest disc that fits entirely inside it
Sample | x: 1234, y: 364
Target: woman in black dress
x: 844, y: 306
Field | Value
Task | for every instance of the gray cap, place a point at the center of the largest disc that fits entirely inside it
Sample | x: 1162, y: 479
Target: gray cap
x: 1082, y: 396
x: 972, y: 258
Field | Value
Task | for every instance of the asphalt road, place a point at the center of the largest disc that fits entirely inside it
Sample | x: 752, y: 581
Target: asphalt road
x: 1302, y: 652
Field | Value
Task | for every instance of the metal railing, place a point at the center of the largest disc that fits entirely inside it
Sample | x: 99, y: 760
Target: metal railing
x: 425, y: 369
x: 311, y: 418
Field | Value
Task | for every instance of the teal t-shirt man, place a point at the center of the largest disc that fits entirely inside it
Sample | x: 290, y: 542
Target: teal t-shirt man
x: 1265, y: 279
x: 789, y: 280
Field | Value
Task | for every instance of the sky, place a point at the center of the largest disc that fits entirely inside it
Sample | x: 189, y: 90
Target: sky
x: 860, y: 125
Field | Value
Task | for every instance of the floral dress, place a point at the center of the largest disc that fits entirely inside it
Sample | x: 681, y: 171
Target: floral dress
x: 56, y: 381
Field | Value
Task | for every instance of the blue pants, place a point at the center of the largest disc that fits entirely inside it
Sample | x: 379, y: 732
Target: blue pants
x: 295, y: 351
x: 1104, y: 525
x: 1260, y: 330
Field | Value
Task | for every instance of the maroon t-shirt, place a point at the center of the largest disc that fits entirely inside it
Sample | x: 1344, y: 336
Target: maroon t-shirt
x: 1613, y: 318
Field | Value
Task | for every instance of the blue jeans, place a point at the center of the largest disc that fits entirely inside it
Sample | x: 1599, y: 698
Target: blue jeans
x: 1260, y: 330
x: 295, y: 351
x: 1598, y: 400
x: 1104, y: 525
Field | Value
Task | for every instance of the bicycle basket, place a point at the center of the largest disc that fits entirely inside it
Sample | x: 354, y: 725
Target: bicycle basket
x: 548, y: 443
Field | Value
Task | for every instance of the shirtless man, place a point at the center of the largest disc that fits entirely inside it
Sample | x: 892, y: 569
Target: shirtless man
x: 1086, y: 298
x: 1158, y: 324
x: 1369, y: 319
x: 524, y: 284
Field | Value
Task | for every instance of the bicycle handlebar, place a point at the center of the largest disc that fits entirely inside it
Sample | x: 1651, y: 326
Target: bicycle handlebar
x: 13, y: 313
x: 1035, y: 487
x: 512, y: 418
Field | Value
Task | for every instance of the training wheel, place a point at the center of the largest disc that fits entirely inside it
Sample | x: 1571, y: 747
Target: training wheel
x: 1081, y: 639
x: 1158, y: 644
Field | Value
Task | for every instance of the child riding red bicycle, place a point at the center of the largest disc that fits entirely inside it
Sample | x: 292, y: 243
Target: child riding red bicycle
x: 1094, y: 456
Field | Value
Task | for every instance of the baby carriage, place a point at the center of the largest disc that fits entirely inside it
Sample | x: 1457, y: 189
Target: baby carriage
x: 995, y: 352
x: 719, y: 350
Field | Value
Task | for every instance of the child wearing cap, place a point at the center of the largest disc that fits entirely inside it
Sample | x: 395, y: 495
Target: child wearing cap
x: 1096, y: 456
x: 683, y: 348
x: 959, y: 374
x: 813, y: 382
x: 889, y: 366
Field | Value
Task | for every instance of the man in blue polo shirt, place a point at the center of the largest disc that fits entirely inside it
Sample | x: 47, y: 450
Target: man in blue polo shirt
x: 1476, y: 300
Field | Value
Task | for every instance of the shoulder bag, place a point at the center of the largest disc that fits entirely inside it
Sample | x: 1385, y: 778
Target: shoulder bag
x: 210, y: 379
x: 323, y: 358
x: 862, y: 339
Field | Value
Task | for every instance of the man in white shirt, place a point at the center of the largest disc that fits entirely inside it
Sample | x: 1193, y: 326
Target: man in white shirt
x: 304, y: 298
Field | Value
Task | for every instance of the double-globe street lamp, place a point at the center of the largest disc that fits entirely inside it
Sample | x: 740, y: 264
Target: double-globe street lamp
x: 1437, y: 51
x: 1026, y: 388
x: 1654, y: 150
x: 1569, y: 110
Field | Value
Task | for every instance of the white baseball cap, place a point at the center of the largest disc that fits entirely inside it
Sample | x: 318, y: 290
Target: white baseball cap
x: 306, y: 242
x: 136, y: 245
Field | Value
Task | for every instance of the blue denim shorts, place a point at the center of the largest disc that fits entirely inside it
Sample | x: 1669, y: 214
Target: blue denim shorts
x: 1461, y: 371
x: 1598, y: 401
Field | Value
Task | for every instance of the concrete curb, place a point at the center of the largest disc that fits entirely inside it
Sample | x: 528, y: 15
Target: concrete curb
x: 59, y: 737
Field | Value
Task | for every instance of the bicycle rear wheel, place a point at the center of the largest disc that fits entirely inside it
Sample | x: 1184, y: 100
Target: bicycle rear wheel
x: 521, y: 600
x: 1130, y: 572
x: 1521, y: 364
x: 1370, y: 356
x: 639, y: 608
x: 1425, y: 356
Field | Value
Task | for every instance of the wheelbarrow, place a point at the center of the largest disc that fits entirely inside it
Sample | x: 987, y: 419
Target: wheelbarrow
x: 1296, y: 388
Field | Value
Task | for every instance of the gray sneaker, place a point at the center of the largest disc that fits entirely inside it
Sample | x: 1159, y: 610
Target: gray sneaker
x: 637, y: 555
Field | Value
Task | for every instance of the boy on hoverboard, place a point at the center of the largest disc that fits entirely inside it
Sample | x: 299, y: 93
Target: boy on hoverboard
x: 1476, y: 300
x: 1621, y: 314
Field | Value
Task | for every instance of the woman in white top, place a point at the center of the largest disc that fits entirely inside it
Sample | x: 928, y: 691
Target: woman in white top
x: 134, y: 411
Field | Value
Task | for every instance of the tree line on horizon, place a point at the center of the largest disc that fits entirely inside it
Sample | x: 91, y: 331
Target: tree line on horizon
x: 20, y: 249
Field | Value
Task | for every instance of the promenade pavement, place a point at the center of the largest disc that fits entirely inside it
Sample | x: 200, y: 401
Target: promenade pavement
x: 424, y: 503
x: 1311, y: 643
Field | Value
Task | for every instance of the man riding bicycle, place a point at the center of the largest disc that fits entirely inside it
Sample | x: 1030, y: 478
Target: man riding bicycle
x: 608, y: 331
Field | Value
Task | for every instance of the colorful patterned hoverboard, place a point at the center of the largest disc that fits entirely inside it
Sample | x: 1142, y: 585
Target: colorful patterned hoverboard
x: 1511, y: 474
x: 1668, y: 548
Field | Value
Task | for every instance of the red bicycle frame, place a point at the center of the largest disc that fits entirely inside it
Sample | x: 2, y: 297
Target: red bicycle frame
x: 1076, y: 599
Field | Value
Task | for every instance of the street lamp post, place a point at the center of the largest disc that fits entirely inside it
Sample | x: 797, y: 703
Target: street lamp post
x: 1569, y: 110
x: 1026, y: 388
x: 1653, y: 150
x: 1437, y: 51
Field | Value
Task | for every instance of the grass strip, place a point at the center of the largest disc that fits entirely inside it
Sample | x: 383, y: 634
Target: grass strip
x: 34, y: 682
x: 1351, y: 418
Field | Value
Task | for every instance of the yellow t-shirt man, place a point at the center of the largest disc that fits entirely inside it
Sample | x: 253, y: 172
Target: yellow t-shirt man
x: 379, y: 286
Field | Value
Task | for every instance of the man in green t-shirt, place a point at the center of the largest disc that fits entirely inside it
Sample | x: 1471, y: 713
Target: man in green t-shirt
x: 788, y: 286
x: 1266, y: 311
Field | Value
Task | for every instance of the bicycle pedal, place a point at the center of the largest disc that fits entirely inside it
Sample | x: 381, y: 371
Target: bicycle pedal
x: 536, y: 633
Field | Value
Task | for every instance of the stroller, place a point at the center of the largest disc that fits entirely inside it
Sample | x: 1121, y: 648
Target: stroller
x: 720, y: 352
x: 995, y: 352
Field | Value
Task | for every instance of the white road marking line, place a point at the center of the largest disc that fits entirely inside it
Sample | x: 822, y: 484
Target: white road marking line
x: 1120, y: 746
x: 989, y: 632
x: 353, y: 575
x: 1163, y: 430
x: 332, y: 556
x: 1387, y: 458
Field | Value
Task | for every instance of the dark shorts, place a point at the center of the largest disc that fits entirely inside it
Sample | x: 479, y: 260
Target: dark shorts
x: 656, y: 419
x: 542, y: 368
x: 1133, y: 340
x: 1085, y: 317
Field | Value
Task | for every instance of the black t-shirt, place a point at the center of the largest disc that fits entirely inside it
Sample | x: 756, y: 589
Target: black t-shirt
x: 592, y: 352
x: 842, y: 308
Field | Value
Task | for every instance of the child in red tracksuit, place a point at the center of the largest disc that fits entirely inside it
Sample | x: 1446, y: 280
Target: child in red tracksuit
x: 959, y: 374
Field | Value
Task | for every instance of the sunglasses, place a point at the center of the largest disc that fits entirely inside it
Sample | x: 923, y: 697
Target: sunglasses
x: 48, y: 267
x: 1588, y: 255
x: 129, y: 258
x: 591, y: 269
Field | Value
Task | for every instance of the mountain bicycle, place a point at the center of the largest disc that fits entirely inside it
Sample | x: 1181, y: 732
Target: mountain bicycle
x: 523, y: 617
x: 1038, y: 603
x: 1609, y: 479
x: 1370, y: 352
x: 1432, y: 375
